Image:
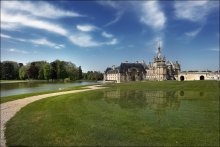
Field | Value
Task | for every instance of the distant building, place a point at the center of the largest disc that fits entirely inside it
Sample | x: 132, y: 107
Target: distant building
x: 161, y: 69
x: 190, y: 76
x: 158, y: 70
x: 125, y: 72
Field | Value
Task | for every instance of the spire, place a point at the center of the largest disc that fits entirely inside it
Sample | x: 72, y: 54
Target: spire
x: 158, y: 51
x: 158, y: 48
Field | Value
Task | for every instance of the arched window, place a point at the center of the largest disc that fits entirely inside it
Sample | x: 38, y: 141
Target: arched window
x: 202, y: 78
x: 181, y: 78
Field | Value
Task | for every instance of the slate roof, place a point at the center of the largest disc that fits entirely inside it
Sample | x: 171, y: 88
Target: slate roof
x: 125, y: 66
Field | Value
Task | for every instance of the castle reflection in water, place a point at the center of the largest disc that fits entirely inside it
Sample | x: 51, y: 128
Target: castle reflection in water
x: 155, y: 100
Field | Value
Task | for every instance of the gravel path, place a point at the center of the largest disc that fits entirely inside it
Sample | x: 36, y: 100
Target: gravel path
x: 9, y: 109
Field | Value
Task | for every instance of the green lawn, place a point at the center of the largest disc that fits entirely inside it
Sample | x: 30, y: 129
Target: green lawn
x: 168, y: 113
x: 13, y: 81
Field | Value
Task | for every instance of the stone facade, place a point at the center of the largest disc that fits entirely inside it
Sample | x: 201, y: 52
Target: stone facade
x: 158, y: 70
x: 125, y: 72
x: 191, y: 76
x: 161, y: 69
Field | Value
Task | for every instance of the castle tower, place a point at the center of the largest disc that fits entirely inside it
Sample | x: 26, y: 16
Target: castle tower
x: 158, y: 52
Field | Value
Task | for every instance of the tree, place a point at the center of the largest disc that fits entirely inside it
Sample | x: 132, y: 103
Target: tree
x: 53, y: 70
x: 47, y: 71
x: 23, y: 73
x: 93, y: 75
x: 33, y: 71
x: 9, y: 70
x: 80, y: 73
x: 72, y: 71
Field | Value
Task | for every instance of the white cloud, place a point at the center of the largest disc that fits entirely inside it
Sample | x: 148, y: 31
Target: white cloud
x: 84, y: 40
x: 152, y: 15
x: 194, y: 32
x: 215, y: 49
x: 8, y: 26
x: 5, y: 36
x: 17, y: 51
x: 40, y: 9
x: 45, y: 42
x: 10, y: 37
x: 18, y: 15
x: 86, y: 28
x: 41, y: 41
x: 194, y: 10
x: 112, y: 42
x: 109, y: 3
x: 107, y: 35
x: 116, y: 19
x: 22, y: 20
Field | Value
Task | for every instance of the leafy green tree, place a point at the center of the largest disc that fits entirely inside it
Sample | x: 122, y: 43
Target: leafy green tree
x: 47, y: 71
x: 80, y: 73
x: 53, y: 70
x: 41, y: 73
x: 33, y: 71
x: 72, y: 71
x: 23, y: 73
x: 9, y: 70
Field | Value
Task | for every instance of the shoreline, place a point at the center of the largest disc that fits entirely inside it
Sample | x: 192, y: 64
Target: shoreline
x: 9, y: 109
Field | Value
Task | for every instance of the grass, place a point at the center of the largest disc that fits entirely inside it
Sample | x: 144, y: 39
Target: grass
x: 13, y: 81
x: 21, y: 96
x: 127, y: 114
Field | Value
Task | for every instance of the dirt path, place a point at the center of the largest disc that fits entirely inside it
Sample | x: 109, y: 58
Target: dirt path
x: 9, y: 109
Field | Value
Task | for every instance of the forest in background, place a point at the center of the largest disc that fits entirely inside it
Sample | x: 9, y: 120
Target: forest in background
x: 42, y: 70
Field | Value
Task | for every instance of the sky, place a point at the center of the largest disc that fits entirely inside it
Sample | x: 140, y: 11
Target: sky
x: 98, y: 34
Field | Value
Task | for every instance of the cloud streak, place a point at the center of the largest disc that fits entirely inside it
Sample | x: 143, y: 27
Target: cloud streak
x: 152, y: 15
x: 40, y: 9
x: 109, y: 3
x: 107, y: 35
x: 22, y: 20
x: 215, y: 49
x: 195, y: 11
x: 86, y: 28
x: 86, y: 40
x: 17, y: 51
x: 116, y: 19
x: 45, y: 42
x: 19, y: 15
x: 193, y: 33
x: 41, y: 41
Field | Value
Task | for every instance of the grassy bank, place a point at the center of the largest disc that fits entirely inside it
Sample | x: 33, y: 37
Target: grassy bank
x: 12, y: 81
x: 170, y: 85
x: 127, y: 114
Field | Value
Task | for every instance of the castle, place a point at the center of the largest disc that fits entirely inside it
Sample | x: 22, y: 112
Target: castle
x: 158, y: 70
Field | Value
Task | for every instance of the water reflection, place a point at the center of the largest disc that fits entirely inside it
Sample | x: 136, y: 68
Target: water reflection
x: 156, y: 100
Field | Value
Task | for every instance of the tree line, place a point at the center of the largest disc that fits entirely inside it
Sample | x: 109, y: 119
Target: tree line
x: 42, y: 70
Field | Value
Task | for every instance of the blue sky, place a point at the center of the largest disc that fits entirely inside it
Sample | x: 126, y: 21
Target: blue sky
x: 99, y: 34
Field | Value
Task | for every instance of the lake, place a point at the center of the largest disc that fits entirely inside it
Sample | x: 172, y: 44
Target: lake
x: 8, y: 89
